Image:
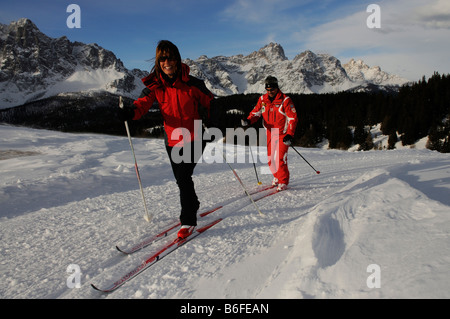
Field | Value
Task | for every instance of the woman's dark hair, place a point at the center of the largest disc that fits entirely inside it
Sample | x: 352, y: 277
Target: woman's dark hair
x: 167, y: 49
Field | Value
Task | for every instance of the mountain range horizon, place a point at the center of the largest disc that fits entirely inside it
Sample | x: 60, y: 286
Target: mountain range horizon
x: 34, y: 66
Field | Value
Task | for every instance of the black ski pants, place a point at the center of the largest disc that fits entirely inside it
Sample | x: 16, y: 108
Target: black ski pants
x: 183, y: 161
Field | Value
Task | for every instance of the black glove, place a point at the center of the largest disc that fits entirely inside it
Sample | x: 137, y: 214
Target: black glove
x: 217, y: 114
x: 245, y: 122
x: 126, y: 113
x: 203, y: 112
x: 287, y: 140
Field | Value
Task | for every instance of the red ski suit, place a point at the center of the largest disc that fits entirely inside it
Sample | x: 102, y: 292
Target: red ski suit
x: 179, y: 103
x: 279, y: 119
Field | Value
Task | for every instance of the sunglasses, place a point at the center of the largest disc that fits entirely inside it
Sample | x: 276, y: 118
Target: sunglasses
x: 165, y: 58
x: 270, y: 89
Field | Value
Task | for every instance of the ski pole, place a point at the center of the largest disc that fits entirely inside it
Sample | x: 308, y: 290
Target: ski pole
x: 243, y: 186
x: 148, y: 217
x: 254, y: 165
x: 318, y: 172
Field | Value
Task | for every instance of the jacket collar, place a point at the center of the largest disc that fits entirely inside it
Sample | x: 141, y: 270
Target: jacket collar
x: 278, y: 97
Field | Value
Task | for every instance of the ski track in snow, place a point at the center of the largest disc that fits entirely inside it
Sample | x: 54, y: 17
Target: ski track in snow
x: 70, y: 198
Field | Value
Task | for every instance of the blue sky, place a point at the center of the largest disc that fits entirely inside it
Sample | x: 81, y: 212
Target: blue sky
x: 413, y: 39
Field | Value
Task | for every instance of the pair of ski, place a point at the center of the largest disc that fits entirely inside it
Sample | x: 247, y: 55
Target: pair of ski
x: 168, y: 248
x: 173, y: 227
x: 164, y: 251
x: 166, y: 232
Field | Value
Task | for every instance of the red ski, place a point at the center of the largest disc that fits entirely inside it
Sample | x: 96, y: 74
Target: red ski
x: 174, y: 226
x: 164, y: 251
x: 169, y: 230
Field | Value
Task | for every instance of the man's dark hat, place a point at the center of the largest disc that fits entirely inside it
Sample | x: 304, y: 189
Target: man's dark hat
x: 271, y: 82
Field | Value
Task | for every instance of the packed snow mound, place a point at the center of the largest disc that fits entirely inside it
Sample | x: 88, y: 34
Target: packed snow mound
x: 376, y: 221
x: 372, y: 225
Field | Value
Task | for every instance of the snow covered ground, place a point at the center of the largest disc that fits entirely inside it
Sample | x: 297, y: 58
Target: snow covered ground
x: 372, y: 225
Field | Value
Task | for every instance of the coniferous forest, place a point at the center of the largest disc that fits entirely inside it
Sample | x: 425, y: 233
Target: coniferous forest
x: 416, y: 111
x: 343, y: 119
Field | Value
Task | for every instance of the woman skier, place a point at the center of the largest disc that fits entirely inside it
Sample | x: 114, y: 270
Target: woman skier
x: 182, y: 99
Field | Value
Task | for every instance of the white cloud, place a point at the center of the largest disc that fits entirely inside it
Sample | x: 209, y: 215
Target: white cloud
x: 271, y: 13
x: 435, y: 15
x: 412, y: 40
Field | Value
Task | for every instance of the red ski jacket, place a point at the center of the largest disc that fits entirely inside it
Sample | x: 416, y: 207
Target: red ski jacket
x: 279, y: 114
x: 179, y: 103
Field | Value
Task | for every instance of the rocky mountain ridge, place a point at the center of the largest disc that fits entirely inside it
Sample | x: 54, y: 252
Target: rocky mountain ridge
x: 34, y: 66
x: 307, y: 73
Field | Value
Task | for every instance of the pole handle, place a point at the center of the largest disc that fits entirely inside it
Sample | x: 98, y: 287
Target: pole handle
x: 121, y: 102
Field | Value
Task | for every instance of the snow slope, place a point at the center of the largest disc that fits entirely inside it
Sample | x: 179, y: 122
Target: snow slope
x: 370, y: 219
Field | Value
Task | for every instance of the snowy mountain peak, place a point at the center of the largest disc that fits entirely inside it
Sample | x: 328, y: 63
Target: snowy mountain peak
x: 307, y: 73
x: 22, y: 33
x: 271, y: 52
x: 306, y: 55
x: 34, y: 66
x: 24, y: 23
x: 357, y: 70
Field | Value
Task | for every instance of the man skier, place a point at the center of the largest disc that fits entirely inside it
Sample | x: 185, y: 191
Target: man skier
x: 280, y: 120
